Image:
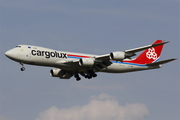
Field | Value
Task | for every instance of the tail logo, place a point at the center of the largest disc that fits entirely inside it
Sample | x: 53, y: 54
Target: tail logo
x: 151, y: 54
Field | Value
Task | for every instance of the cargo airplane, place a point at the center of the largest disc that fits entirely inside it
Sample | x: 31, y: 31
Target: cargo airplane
x: 68, y: 64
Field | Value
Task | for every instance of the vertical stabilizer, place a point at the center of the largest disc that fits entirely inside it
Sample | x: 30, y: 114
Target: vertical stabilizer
x: 150, y: 55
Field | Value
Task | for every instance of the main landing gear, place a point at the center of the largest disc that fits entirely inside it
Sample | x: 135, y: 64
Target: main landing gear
x: 90, y: 74
x: 77, y: 77
x: 22, y: 68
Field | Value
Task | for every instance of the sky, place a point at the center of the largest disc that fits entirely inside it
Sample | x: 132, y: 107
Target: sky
x: 94, y: 27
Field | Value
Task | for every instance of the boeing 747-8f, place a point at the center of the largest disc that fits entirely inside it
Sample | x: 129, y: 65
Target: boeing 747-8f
x: 68, y: 64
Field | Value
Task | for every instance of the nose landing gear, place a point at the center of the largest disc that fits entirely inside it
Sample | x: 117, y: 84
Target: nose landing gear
x: 22, y: 68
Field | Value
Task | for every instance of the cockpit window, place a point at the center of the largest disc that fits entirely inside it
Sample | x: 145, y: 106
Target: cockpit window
x: 18, y: 46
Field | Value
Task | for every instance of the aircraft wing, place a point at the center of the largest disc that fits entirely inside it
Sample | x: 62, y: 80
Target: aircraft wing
x: 103, y: 57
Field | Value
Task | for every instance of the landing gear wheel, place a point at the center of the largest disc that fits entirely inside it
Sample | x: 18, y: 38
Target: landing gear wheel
x: 89, y: 77
x: 94, y: 75
x: 86, y: 76
x: 78, y: 78
x: 23, y: 68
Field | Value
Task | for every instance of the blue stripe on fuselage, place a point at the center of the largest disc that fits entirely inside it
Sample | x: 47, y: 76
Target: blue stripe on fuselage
x: 74, y: 57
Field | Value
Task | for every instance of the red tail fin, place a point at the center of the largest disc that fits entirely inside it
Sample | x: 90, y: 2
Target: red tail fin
x: 150, y: 55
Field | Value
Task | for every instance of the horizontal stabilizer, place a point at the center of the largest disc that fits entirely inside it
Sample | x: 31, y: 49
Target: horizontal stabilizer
x: 161, y: 62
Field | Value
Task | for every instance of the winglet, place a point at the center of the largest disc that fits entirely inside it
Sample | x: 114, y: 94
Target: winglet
x: 157, y: 44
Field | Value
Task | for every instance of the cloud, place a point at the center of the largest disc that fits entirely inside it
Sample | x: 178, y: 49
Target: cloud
x: 103, y: 96
x: 102, y: 107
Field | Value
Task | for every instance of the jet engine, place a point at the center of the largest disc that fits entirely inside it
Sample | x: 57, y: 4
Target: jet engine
x: 118, y: 56
x: 60, y: 73
x: 86, y: 62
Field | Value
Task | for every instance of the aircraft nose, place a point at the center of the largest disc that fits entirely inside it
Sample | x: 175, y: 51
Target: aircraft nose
x: 9, y: 53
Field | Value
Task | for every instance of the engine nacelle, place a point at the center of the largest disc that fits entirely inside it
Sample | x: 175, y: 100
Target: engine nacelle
x: 86, y: 62
x: 118, y: 56
x: 60, y: 73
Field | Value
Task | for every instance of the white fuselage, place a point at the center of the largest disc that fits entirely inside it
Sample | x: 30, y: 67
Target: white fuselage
x: 41, y: 56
